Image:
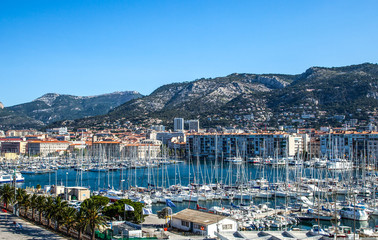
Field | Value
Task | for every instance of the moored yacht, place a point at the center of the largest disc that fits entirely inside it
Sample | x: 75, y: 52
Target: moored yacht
x: 339, y: 164
x: 354, y: 213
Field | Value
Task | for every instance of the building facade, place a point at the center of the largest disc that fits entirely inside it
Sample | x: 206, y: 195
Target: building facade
x: 44, y: 148
x: 244, y: 145
x: 350, y: 145
x: 193, y: 125
x: 178, y: 124
x: 203, y: 223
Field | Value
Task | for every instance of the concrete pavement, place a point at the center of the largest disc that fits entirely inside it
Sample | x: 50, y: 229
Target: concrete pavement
x: 8, y: 229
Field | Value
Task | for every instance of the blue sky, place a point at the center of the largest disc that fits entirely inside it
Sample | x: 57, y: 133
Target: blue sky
x: 94, y: 47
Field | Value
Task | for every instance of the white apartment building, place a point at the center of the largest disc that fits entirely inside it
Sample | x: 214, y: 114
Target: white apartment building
x: 43, y: 148
x: 245, y: 144
x: 141, y: 151
x: 349, y: 145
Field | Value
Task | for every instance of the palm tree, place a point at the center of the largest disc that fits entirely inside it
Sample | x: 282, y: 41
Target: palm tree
x: 49, y: 210
x: 20, y: 193
x: 69, y: 218
x: 81, y: 222
x: 33, y: 204
x: 41, y: 202
x: 7, y: 194
x: 59, y: 208
x: 26, y: 203
x: 92, y: 215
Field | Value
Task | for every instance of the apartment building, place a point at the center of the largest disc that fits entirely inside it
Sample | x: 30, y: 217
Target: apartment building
x: 245, y: 144
x: 44, y: 148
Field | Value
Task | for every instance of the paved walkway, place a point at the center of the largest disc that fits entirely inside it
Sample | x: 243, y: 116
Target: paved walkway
x: 9, y: 231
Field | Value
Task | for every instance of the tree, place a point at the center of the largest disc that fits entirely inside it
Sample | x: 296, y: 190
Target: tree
x: 49, y: 210
x: 69, y: 218
x: 41, y: 203
x: 59, y: 208
x: 7, y: 194
x: 81, y: 222
x: 26, y: 203
x: 92, y: 215
x: 101, y: 200
x: 164, y: 212
x: 118, y: 210
x: 33, y: 204
x: 20, y: 193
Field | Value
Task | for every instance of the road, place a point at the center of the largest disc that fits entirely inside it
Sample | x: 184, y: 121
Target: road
x: 8, y: 229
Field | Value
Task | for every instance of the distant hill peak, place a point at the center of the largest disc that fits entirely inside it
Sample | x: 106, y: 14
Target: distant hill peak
x: 55, y: 107
x: 48, y: 98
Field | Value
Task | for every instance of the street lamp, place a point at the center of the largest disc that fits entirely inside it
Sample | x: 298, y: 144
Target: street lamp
x: 122, y: 185
x: 66, y: 190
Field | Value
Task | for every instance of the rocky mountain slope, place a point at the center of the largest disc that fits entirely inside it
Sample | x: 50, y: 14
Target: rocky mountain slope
x: 12, y: 120
x: 317, y: 96
x: 53, y: 107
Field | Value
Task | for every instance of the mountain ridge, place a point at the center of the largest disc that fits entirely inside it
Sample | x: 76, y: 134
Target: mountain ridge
x: 318, y: 96
x: 265, y: 98
x: 52, y: 107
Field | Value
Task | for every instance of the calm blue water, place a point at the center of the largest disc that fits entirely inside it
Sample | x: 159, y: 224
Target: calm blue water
x: 179, y: 174
x: 172, y: 174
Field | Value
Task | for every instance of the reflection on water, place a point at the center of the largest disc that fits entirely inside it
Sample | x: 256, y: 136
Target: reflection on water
x: 179, y: 174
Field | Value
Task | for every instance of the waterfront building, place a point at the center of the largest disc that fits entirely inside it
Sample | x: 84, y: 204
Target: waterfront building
x: 314, y: 147
x: 143, y: 150
x: 76, y: 193
x: 106, y: 149
x: 166, y: 137
x: 77, y: 145
x: 13, y: 145
x: 43, y: 148
x: 178, y: 124
x: 245, y: 145
x: 203, y: 223
x: 349, y: 145
x: 57, y: 190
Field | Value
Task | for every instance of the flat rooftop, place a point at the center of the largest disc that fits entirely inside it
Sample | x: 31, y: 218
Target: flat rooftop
x: 195, y: 216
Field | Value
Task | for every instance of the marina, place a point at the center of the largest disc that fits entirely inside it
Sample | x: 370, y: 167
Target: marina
x: 260, y: 196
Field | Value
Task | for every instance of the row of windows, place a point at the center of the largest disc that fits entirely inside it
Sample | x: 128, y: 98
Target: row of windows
x: 201, y: 227
x: 227, y: 226
x: 197, y: 226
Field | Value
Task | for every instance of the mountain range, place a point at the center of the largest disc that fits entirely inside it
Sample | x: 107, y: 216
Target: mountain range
x: 53, y: 107
x: 318, y: 96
